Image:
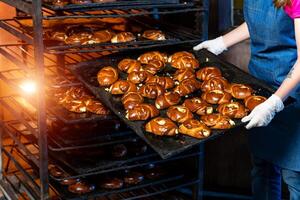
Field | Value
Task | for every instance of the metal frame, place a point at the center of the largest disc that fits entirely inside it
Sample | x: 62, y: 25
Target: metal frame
x: 36, y: 9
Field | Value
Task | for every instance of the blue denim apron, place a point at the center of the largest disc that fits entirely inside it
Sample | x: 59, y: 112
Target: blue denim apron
x: 273, y: 54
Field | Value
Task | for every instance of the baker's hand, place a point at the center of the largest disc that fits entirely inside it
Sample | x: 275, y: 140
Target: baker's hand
x: 263, y: 114
x: 216, y: 46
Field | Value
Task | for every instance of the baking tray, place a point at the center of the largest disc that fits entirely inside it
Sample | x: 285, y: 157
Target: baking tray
x: 165, y: 146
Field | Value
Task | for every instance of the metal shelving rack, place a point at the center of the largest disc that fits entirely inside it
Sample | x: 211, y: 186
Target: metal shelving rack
x: 40, y: 12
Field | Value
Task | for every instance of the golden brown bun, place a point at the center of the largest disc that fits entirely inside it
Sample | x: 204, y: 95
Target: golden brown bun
x: 76, y: 106
x: 179, y: 113
x: 232, y: 110
x: 165, y: 82
x: 131, y: 99
x: 216, y: 97
x: 194, y: 128
x: 162, y: 127
x: 112, y: 183
x: 199, y: 106
x: 58, y: 35
x: 215, y: 83
x: 142, y: 112
x: 240, y: 91
x: 207, y: 73
x: 119, y: 27
x: 182, y: 74
x: 187, y: 87
x: 123, y: 37
x: 217, y: 121
x: 185, y: 62
x: 139, y: 77
x: 153, y: 55
x: 107, y: 76
x: 96, y: 107
x: 81, y: 188
x: 252, y: 101
x: 154, y: 35
x: 154, y: 66
x: 129, y: 65
x: 99, y: 37
x: 166, y: 100
x: 176, y: 55
x: 122, y: 87
x: 151, y: 90
x: 77, y: 39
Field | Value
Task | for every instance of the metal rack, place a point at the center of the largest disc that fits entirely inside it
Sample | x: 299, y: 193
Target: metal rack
x: 33, y: 59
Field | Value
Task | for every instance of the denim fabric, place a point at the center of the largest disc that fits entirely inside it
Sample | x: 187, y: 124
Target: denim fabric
x: 273, y: 53
x: 266, y: 181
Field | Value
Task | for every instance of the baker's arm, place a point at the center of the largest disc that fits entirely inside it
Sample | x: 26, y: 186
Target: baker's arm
x: 263, y: 114
x: 221, y: 43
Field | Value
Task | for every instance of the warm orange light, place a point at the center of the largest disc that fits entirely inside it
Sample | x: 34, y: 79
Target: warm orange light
x: 28, y: 86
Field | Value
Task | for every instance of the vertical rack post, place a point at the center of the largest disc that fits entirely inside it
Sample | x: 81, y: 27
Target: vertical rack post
x: 39, y: 64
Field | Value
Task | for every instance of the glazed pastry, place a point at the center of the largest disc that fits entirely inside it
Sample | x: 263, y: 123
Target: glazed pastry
x: 151, y: 90
x: 240, y: 91
x: 81, y: 2
x: 138, y: 77
x: 99, y: 37
x: 96, y: 107
x: 122, y: 87
x: 187, y: 87
x: 55, y: 171
x: 69, y: 181
x: 162, y: 127
x: 216, y: 97
x: 184, y: 62
x: 252, y: 101
x: 176, y: 55
x: 58, y: 36
x: 107, y: 76
x: 207, y: 73
x: 131, y: 99
x: 76, y: 39
x: 76, y: 106
x: 112, y: 183
x: 194, y: 128
x: 165, y: 82
x: 153, y: 55
x: 60, y: 3
x: 154, y: 35
x: 123, y: 37
x: 81, y: 188
x: 215, y: 83
x: 166, y: 100
x: 133, y: 178
x: 154, y: 66
x: 199, y: 106
x: 142, y: 112
x: 129, y: 65
x: 183, y: 74
x: 232, y: 110
x: 217, y: 121
x: 179, y: 113
x: 119, y: 151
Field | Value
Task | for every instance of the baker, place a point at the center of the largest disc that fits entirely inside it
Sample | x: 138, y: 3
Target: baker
x: 274, y: 31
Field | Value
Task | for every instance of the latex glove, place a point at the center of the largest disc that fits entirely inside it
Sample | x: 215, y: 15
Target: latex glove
x: 216, y: 46
x: 263, y: 114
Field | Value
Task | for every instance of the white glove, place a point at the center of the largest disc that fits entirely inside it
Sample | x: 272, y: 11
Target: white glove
x: 263, y: 114
x: 216, y: 46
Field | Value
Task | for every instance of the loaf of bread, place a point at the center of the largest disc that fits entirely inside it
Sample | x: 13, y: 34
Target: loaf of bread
x: 107, y: 76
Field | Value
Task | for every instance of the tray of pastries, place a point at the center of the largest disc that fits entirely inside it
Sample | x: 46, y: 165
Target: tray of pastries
x: 173, y: 100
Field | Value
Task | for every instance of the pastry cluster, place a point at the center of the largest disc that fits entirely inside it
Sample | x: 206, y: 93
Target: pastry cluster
x: 78, y: 100
x: 128, y: 178
x: 112, y: 30
x: 195, y: 99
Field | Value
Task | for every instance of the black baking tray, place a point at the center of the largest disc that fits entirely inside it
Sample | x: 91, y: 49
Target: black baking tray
x: 164, y: 146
